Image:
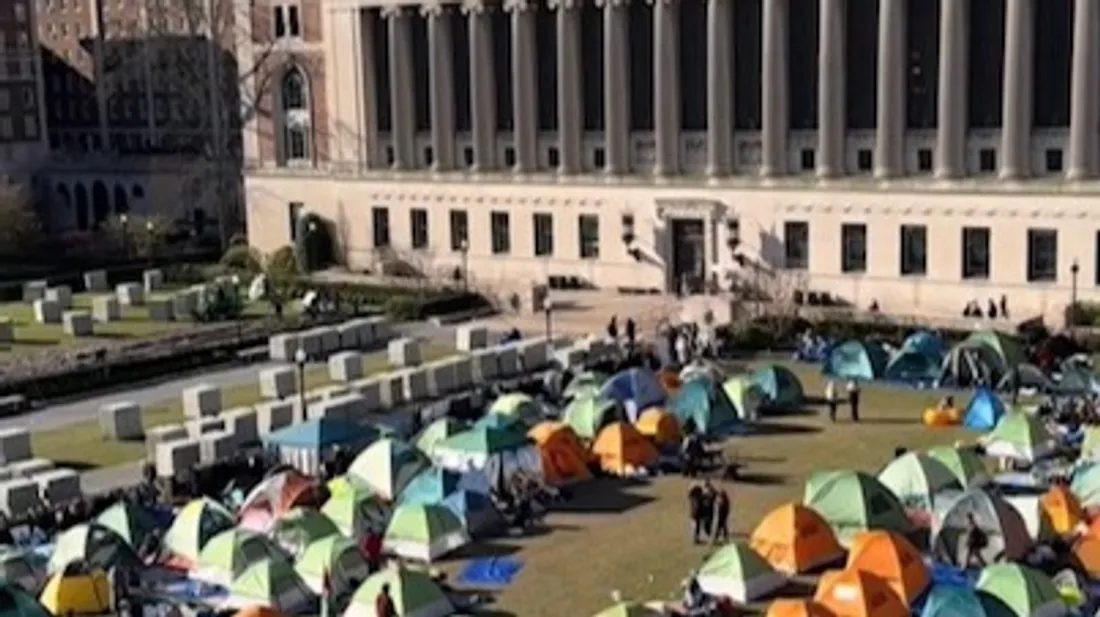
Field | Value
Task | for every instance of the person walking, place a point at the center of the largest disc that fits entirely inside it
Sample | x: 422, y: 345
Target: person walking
x: 831, y: 399
x: 707, y: 509
x: 721, y: 517
x: 695, y: 509
x: 853, y: 399
x: 976, y: 542
x: 631, y: 335
x: 383, y: 604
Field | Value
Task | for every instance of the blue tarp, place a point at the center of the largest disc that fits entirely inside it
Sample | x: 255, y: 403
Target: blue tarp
x: 322, y: 434
x: 635, y: 389
x: 489, y: 573
x: 984, y: 410
x: 862, y: 360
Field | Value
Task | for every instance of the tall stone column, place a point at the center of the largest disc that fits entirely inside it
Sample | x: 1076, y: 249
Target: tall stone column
x: 775, y: 90
x: 524, y: 85
x: 951, y: 102
x: 616, y: 89
x: 892, y: 74
x: 570, y: 86
x: 1018, y: 83
x: 442, y: 89
x: 666, y: 86
x: 719, y: 87
x: 483, y: 105
x: 402, y: 98
x: 831, y: 115
x: 1084, y: 114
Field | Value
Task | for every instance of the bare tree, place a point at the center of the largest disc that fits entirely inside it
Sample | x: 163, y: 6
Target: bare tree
x: 21, y: 232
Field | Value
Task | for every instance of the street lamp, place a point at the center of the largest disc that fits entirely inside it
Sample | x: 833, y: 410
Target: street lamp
x: 149, y: 228
x: 1074, y: 270
x: 464, y: 248
x: 300, y: 358
x: 548, y: 309
x: 124, y: 222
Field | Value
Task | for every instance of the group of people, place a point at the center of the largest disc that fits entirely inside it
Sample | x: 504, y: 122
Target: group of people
x: 993, y: 309
x: 709, y: 507
x: 832, y: 398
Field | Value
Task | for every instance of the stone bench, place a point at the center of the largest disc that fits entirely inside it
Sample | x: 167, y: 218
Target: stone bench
x: 283, y: 347
x: 173, y: 457
x: 278, y: 382
x: 161, y: 309
x: 162, y: 434
x: 62, y: 295
x: 15, y: 445
x: 95, y: 281
x: 78, y: 323
x: 47, y: 312
x: 202, y: 400
x: 274, y: 415
x: 471, y: 337
x: 106, y: 309
x: 217, y: 446
x: 152, y: 280
x: 202, y: 426
x: 404, y: 352
x: 345, y: 366
x: 18, y: 496
x: 59, y: 486
x: 29, y: 467
x: 243, y: 423
x: 34, y: 290
x: 130, y: 294
x: 121, y: 421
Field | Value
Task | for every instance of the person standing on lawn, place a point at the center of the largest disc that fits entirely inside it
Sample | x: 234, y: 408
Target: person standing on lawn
x: 721, y: 517
x: 853, y: 399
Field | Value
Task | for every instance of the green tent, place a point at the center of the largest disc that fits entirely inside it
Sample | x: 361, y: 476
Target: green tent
x: 746, y: 396
x: 702, y: 369
x: 386, y: 466
x: 1009, y: 349
x: 436, y: 432
x: 916, y: 478
x: 629, y: 609
x: 17, y: 602
x: 852, y: 501
x: 1026, y: 592
x: 587, y: 383
x: 483, y: 441
x: 271, y: 583
x: 334, y: 558
x: 586, y: 415
x: 91, y: 544
x: 131, y: 522
x: 194, y: 525
x: 703, y: 407
x: 414, y: 594
x: 963, y: 463
x: 737, y: 572
x: 228, y: 554
x: 1019, y: 436
x: 518, y: 405
x: 500, y: 421
x: 781, y: 387
x: 356, y: 510
x: 424, y: 532
x: 300, y: 527
x: 1086, y: 485
x: 21, y: 568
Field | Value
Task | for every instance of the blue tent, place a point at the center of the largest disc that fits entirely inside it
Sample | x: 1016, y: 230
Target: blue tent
x: 984, y: 410
x: 703, y: 407
x: 957, y: 601
x: 474, y: 509
x: 926, y: 342
x: 780, y: 385
x: 433, y: 486
x: 912, y: 365
x: 863, y: 360
x: 321, y: 434
x: 635, y: 389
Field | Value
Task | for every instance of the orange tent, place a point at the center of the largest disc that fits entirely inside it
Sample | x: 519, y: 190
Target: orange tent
x: 855, y: 593
x: 660, y: 426
x: 564, y: 459
x: 620, y: 447
x: 797, y: 608
x: 795, y: 539
x: 1062, y: 508
x: 893, y: 559
x: 670, y: 381
x: 258, y: 611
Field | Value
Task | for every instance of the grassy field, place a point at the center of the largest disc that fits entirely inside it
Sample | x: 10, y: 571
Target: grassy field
x: 81, y: 445
x: 633, y: 537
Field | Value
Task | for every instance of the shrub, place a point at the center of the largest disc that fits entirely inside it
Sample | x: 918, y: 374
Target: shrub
x: 242, y: 259
x: 1082, y: 314
x: 282, y: 264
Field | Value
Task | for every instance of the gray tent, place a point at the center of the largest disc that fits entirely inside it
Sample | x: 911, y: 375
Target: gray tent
x: 1002, y: 524
x: 969, y: 364
x: 1024, y: 376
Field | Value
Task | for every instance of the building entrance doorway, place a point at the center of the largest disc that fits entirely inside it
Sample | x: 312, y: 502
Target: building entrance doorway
x: 689, y: 256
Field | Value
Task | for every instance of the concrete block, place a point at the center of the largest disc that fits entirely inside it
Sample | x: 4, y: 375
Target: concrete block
x: 274, y: 415
x: 34, y: 290
x: 485, y: 365
x: 62, y: 295
x: 162, y: 434
x: 311, y: 341
x: 203, y: 426
x: 313, y: 398
x: 349, y: 334
x: 414, y: 383
x: 349, y: 407
x: 345, y: 366
x: 243, y: 423
x: 18, y: 496
x: 330, y: 340
x: 507, y: 360
x: 184, y: 302
x: 278, y: 382
x: 47, y: 311
x: 152, y: 280
x: 439, y: 378
x: 471, y: 337
x: 173, y: 457
x: 327, y: 392
x: 59, y: 486
x: 392, y: 390
x: 202, y: 400
x: 7, y: 330
x: 404, y: 352
x: 381, y: 329
x: 130, y: 294
x: 574, y: 356
x: 15, y: 445
x: 161, y: 309
x: 30, y: 467
x: 121, y: 421
x: 95, y: 281
x: 77, y: 323
x: 282, y: 347
x: 463, y: 367
x: 106, y: 309
x: 371, y: 391
x: 217, y: 446
x: 534, y: 354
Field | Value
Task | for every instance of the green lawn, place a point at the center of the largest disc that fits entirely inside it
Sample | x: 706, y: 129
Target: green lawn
x: 81, y: 445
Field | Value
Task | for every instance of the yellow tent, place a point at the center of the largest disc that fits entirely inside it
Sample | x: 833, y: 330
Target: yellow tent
x: 77, y: 594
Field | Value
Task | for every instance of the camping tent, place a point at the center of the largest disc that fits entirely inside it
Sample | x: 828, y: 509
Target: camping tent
x: 356, y: 510
x: 858, y: 593
x: 634, y: 388
x: 1001, y: 523
x: 1021, y: 437
x: 852, y: 501
x: 856, y: 359
x: 1062, y: 508
x: 964, y: 463
x: 661, y: 426
x: 22, y: 568
x: 564, y: 459
x: 916, y: 478
x: 587, y: 383
x: 194, y: 525
x: 984, y: 410
x: 274, y: 496
x: 424, y: 532
x: 956, y: 601
x: 892, y: 558
x: 1023, y: 590
x: 1036, y: 519
x: 130, y: 521
x: 781, y: 387
x: 300, y: 527
x: 919, y: 360
x: 926, y: 342
x: 414, y: 594
x: 518, y: 405
x: 228, y: 554
x: 621, y: 449
x: 475, y: 510
x: 787, y: 607
x: 1076, y: 381
x: 586, y: 415
x: 1085, y: 484
x: 77, y: 593
x: 1025, y: 376
x: 306, y: 445
x: 737, y: 572
x: 272, y: 583
x: 335, y: 559
x: 93, y: 545
x: 498, y: 454
x: 795, y: 539
x: 433, y: 485
x: 436, y: 432
x: 386, y: 466
x: 18, y: 602
x: 703, y: 407
x: 1008, y: 349
x: 746, y: 397
x: 969, y: 364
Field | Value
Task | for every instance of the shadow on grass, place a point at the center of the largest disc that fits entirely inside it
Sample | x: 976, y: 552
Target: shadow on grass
x: 604, y: 496
x: 783, y: 428
x: 759, y: 478
x: 790, y: 412
x: 484, y: 549
x: 77, y: 466
x: 31, y: 342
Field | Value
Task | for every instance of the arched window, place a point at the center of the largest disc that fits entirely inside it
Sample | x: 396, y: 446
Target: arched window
x: 296, y: 117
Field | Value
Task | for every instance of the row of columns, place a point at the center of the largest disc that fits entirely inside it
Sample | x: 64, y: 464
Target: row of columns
x: 1083, y: 156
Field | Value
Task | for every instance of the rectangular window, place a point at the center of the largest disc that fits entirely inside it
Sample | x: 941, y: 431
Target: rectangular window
x: 460, y: 230
x: 294, y: 212
x: 544, y: 234
x: 853, y: 248
x: 501, y: 233
x: 280, y: 22
x: 914, y: 250
x: 796, y: 245
x: 380, y: 226
x: 975, y: 253
x: 1042, y: 255
x: 588, y: 226
x: 293, y: 27
x: 418, y: 224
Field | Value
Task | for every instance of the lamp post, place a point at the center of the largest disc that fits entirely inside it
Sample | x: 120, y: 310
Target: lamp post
x: 300, y: 358
x: 150, y: 229
x: 464, y: 248
x: 1074, y: 270
x: 548, y: 309
x: 124, y: 222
